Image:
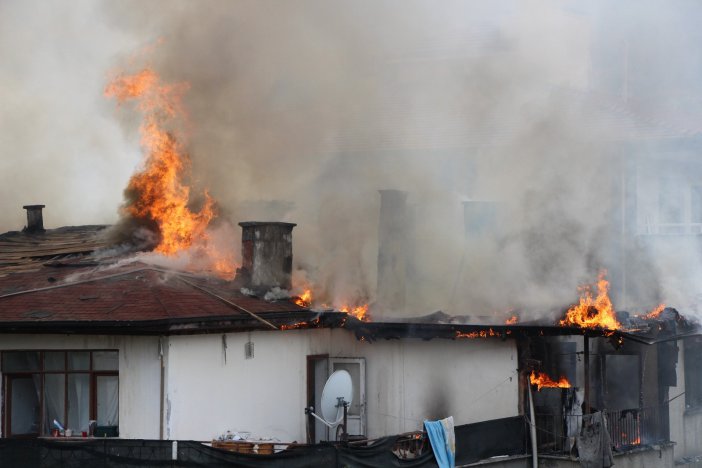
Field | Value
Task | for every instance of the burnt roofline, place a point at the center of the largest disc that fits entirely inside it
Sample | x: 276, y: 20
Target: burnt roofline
x: 367, y: 331
x: 179, y: 326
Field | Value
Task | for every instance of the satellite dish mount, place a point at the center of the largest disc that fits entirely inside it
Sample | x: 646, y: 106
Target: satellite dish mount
x: 337, y: 396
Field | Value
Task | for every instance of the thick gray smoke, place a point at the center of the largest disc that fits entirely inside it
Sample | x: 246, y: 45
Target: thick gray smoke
x: 302, y: 110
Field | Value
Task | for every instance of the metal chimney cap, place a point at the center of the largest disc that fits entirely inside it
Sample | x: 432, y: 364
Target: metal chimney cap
x: 33, y: 207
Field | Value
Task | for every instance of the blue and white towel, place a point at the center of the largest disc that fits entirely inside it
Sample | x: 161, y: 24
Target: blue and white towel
x: 443, y: 441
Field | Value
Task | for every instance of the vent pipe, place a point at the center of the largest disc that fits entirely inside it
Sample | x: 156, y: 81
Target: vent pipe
x: 35, y: 221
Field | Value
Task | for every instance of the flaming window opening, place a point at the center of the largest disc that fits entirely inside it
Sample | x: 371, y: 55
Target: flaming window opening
x: 542, y: 380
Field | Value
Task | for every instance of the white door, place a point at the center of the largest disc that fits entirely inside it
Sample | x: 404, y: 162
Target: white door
x: 356, y: 414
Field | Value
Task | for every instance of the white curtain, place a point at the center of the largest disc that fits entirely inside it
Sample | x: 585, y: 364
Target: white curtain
x: 78, y: 402
x: 54, y: 400
x: 108, y: 400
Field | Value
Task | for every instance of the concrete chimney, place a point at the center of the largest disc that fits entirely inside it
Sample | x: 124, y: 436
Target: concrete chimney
x: 392, y: 252
x: 266, y: 251
x: 35, y: 221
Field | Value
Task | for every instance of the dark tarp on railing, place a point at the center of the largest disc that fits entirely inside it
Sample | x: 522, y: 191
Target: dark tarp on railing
x: 478, y: 441
x: 473, y: 442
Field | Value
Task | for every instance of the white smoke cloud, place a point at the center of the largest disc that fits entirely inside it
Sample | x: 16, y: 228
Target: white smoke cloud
x: 302, y: 110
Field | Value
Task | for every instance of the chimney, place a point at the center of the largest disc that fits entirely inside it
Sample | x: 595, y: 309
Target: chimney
x: 266, y: 250
x: 392, y: 252
x: 35, y: 221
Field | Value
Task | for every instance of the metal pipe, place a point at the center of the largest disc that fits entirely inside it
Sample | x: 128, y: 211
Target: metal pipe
x: 162, y: 387
x: 532, y: 427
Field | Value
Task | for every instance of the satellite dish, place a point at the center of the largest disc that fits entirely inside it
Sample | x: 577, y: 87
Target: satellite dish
x: 337, y: 396
x: 338, y: 385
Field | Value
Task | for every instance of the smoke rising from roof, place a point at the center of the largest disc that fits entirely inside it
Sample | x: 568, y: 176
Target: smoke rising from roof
x: 302, y: 110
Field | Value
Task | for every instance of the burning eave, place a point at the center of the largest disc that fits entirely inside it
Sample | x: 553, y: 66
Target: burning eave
x: 372, y: 331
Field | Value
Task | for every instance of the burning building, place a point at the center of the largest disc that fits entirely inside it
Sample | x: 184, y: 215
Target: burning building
x: 157, y: 353
x: 164, y: 328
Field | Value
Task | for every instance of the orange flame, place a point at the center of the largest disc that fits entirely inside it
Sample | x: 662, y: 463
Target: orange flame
x: 655, y: 313
x: 360, y: 312
x: 542, y: 380
x: 299, y: 325
x: 304, y: 299
x: 477, y: 334
x: 593, y: 312
x: 634, y: 441
x: 512, y: 320
x: 157, y: 192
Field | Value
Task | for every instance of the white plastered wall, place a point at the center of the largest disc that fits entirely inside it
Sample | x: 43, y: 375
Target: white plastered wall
x: 139, y: 374
x: 406, y: 382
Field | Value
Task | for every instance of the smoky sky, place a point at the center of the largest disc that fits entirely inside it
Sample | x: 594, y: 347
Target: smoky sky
x: 302, y: 110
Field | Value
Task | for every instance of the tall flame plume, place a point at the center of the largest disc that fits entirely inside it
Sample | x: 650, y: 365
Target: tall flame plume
x: 157, y: 192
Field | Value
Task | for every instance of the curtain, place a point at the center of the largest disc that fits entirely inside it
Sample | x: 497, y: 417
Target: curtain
x: 54, y: 400
x: 78, y: 402
x: 108, y: 400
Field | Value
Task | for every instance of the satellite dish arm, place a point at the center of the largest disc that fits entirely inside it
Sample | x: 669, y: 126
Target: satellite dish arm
x: 310, y: 410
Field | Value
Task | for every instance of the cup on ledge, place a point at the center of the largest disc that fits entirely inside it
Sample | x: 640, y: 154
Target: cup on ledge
x: 69, y: 432
x: 84, y: 434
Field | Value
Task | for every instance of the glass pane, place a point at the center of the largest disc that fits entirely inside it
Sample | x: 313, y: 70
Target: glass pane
x: 107, y: 400
x: 14, y: 361
x: 54, y: 400
x: 79, y: 360
x: 354, y: 369
x: 54, y: 360
x: 25, y: 412
x: 106, y: 360
x: 78, y: 402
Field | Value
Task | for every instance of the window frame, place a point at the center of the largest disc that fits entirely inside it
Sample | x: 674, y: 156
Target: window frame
x: 7, y: 376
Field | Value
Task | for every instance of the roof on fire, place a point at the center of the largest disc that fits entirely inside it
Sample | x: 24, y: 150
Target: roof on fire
x: 66, y: 281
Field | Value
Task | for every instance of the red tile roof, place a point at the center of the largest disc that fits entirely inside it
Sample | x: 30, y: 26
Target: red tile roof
x: 53, y: 278
x: 133, y: 293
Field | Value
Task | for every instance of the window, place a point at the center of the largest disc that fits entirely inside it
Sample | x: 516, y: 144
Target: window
x: 71, y: 387
x: 693, y: 372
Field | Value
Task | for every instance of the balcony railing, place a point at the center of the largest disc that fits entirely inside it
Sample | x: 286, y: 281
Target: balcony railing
x: 628, y: 429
